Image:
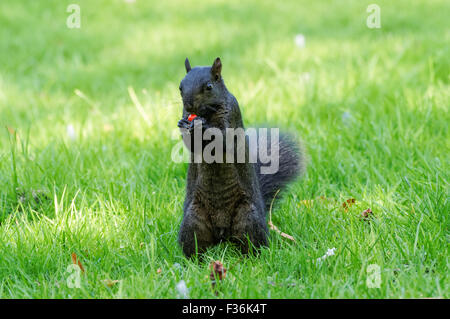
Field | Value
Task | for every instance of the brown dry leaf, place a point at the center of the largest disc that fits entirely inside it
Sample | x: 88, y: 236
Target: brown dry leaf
x: 367, y: 214
x: 275, y: 228
x: 307, y: 202
x: 76, y: 261
x: 110, y: 283
x: 11, y: 130
x: 217, y: 270
x: 348, y: 203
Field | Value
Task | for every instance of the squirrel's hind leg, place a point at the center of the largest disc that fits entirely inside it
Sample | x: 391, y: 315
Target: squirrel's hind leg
x: 249, y: 228
x: 195, y: 234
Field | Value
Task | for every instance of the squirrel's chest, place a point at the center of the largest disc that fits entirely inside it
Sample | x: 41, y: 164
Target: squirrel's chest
x: 219, y: 195
x: 219, y: 198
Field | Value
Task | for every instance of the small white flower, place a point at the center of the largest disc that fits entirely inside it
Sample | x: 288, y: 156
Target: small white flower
x: 182, y: 289
x: 330, y: 252
x: 71, y: 132
x: 300, y: 40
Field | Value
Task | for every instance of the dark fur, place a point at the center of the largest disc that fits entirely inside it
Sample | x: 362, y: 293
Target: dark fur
x: 226, y: 201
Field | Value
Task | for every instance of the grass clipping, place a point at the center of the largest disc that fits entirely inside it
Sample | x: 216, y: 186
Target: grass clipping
x: 275, y: 228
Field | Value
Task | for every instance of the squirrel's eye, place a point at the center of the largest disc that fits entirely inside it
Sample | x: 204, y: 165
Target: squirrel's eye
x: 209, y: 86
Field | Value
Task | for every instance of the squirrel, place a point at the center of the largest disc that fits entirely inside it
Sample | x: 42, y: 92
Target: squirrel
x: 226, y: 201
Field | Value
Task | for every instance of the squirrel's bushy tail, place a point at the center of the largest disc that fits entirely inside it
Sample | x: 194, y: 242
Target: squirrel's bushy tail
x: 291, y: 166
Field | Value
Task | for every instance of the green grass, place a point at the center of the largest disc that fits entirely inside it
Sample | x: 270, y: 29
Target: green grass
x: 370, y: 104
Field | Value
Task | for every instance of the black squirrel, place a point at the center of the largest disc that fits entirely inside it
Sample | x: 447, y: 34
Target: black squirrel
x: 226, y: 201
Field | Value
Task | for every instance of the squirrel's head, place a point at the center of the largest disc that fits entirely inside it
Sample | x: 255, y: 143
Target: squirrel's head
x: 202, y: 89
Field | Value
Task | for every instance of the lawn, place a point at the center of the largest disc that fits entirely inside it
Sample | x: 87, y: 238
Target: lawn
x: 88, y: 122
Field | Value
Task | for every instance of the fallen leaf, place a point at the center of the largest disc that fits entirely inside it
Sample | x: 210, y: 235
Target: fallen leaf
x: 367, y: 214
x: 217, y: 270
x: 11, y: 130
x: 110, y: 283
x: 348, y: 203
x: 76, y: 261
x: 308, y: 203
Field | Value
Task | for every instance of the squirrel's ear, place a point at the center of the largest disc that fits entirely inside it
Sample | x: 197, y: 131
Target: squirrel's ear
x: 216, y: 68
x: 187, y: 65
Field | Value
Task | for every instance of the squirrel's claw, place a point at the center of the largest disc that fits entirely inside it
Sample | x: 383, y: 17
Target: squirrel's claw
x: 184, y: 123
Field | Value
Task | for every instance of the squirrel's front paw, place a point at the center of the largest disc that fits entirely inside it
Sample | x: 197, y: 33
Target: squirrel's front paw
x: 185, y: 123
x: 204, y: 124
